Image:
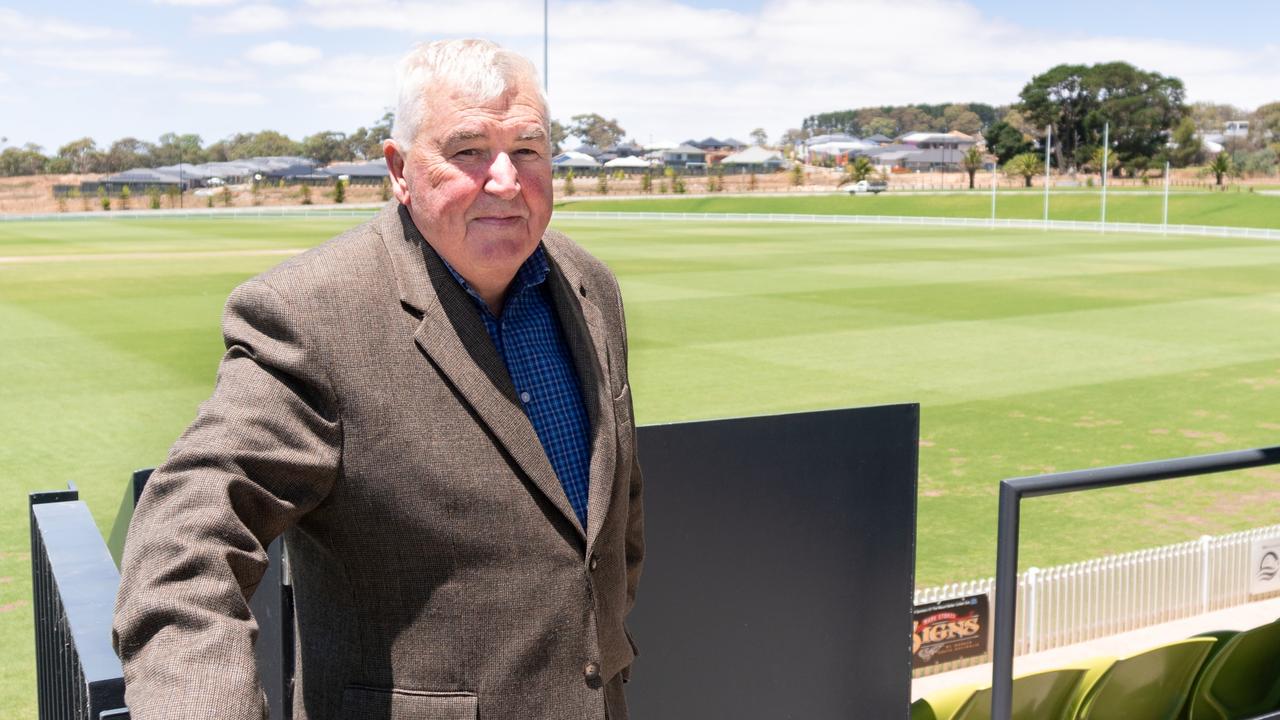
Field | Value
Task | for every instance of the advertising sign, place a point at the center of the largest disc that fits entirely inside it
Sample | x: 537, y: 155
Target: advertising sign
x: 950, y: 630
x: 1264, y: 566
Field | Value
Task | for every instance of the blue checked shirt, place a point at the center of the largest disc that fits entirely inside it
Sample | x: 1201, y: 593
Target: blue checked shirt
x: 529, y: 340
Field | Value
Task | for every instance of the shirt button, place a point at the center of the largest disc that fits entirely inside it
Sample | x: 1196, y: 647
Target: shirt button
x: 595, y: 561
x: 525, y: 396
x: 591, y: 672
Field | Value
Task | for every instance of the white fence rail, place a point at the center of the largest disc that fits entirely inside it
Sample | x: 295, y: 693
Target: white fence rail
x: 364, y: 210
x: 1078, y: 225
x: 1082, y: 601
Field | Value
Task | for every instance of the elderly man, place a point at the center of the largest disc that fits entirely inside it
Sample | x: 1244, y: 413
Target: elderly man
x: 434, y: 409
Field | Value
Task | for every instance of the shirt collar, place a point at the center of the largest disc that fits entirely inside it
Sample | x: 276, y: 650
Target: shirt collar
x: 533, y: 272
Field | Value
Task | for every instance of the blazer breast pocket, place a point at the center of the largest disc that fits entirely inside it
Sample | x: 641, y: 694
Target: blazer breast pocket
x: 369, y: 703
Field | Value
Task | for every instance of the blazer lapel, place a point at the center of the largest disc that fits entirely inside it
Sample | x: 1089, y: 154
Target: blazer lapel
x: 453, y: 336
x: 584, y: 331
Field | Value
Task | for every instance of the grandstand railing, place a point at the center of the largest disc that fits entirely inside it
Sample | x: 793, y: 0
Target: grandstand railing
x: 1006, y: 223
x: 1082, y: 601
x: 74, y: 581
x: 1013, y: 491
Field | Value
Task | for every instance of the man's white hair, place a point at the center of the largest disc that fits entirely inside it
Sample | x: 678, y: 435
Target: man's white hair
x: 482, y: 69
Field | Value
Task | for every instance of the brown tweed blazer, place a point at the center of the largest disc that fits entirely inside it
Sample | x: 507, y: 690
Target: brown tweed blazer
x: 439, y: 571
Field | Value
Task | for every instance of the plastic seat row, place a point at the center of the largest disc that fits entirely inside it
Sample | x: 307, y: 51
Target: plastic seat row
x: 1223, y: 675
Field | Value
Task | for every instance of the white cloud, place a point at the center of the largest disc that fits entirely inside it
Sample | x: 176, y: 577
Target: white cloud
x: 247, y: 19
x: 282, y: 53
x: 211, y: 97
x: 353, y: 82
x: 141, y: 62
x: 487, y: 18
x: 16, y: 27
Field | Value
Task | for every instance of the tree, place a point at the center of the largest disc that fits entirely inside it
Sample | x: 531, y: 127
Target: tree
x: 226, y: 196
x: 752, y: 183
x: 26, y: 160
x: 103, y: 199
x: 327, y: 146
x: 1026, y: 166
x: 1060, y: 98
x: 1005, y: 141
x: 646, y: 182
x: 759, y: 137
x: 366, y: 142
x: 304, y: 194
x: 153, y: 197
x: 797, y: 174
x: 881, y: 126
x: 602, y: 183
x: 1264, y: 124
x: 173, y: 148
x: 858, y: 170
x: 972, y: 163
x: 1077, y: 101
x: 1094, y: 163
x: 959, y: 118
x: 82, y: 155
x: 595, y: 130
x: 1221, y: 166
x: 384, y: 190
x: 340, y: 191
x: 127, y: 153
x: 568, y: 183
x: 558, y: 133
x: 1187, y: 148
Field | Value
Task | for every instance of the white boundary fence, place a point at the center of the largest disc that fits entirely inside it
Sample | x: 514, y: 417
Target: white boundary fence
x: 364, y: 210
x: 1068, y: 604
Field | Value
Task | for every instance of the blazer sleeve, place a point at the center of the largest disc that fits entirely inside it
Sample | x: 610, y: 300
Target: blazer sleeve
x: 262, y: 451
x: 634, y: 537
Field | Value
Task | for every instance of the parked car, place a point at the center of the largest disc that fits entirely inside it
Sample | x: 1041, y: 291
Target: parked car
x: 868, y: 186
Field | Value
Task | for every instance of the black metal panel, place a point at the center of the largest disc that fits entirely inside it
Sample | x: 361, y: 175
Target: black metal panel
x: 73, y: 587
x: 778, y: 578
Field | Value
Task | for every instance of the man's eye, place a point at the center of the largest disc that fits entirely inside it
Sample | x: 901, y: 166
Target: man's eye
x: 468, y: 153
x: 527, y: 153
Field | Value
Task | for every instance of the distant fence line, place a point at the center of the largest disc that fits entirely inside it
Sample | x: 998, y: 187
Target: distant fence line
x: 1068, y: 604
x: 365, y: 208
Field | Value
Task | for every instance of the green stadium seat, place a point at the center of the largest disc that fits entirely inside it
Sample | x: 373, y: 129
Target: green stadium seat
x: 943, y: 704
x: 1051, y: 695
x: 1243, y: 679
x: 1153, y: 685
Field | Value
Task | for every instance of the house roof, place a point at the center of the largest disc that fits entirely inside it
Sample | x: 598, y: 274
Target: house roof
x: 753, y: 156
x: 372, y: 168
x: 685, y: 149
x: 627, y: 161
x: 572, y: 159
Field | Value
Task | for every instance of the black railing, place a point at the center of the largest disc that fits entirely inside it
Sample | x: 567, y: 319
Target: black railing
x: 1013, y: 491
x: 74, y: 581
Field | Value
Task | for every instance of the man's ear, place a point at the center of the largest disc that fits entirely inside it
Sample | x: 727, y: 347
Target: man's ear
x: 395, y: 166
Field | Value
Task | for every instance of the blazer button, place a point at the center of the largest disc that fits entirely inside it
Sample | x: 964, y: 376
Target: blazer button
x: 594, y: 563
x: 592, y: 672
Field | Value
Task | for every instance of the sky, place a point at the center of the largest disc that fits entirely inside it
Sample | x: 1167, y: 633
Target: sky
x: 667, y: 70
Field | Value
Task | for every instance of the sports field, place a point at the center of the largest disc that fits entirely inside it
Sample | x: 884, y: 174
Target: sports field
x: 1028, y: 351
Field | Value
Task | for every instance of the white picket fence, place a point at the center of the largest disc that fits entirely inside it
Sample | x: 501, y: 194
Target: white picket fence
x: 1082, y: 601
x: 1076, y: 225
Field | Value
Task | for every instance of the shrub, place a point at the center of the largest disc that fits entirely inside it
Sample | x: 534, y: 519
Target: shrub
x: 124, y: 197
x: 646, y: 182
x: 226, y: 196
x: 340, y: 191
x: 304, y: 193
x: 385, y: 192
x: 568, y: 183
x: 602, y: 183
x: 153, y: 197
x: 103, y: 199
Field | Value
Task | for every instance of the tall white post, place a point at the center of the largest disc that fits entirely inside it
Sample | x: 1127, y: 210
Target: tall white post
x: 1106, y: 170
x: 546, y: 48
x: 1048, y: 145
x: 1165, y: 220
x: 993, y: 196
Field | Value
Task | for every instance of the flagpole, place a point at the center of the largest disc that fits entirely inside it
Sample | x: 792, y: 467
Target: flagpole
x: 546, y: 52
x: 1048, y: 145
x: 1106, y: 156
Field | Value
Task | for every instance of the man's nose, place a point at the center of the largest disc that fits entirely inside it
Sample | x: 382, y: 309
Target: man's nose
x: 503, y: 179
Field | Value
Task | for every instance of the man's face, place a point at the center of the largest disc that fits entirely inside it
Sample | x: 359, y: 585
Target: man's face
x: 477, y: 181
